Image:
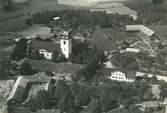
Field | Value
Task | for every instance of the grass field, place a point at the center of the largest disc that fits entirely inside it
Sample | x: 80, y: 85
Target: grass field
x: 109, y: 38
x: 34, y: 6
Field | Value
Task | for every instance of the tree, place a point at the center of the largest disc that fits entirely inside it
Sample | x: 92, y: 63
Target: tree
x: 58, y: 57
x: 94, y: 106
x: 20, y: 50
x: 148, y: 95
x: 8, y: 6
x: 67, y: 103
x: 61, y: 88
x: 105, y: 101
x: 154, y: 79
x: 82, y: 97
x: 158, y: 1
x: 29, y: 21
x: 25, y: 69
x: 2, y: 68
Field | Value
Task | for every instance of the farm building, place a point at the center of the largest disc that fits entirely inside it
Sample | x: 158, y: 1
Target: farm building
x: 133, y: 50
x: 140, y: 28
x: 18, y: 90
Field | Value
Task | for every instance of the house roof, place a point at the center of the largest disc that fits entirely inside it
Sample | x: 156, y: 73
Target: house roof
x: 39, y: 77
x: 49, y: 46
x: 129, y: 74
x: 18, y: 89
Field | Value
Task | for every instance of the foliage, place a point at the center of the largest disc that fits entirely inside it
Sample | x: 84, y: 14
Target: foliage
x: 125, y: 61
x: 75, y: 18
x: 61, y: 88
x: 105, y: 101
x: 92, y: 57
x: 29, y: 21
x: 34, y: 54
x: 8, y: 6
x: 25, y: 69
x: 158, y: 1
x: 81, y: 94
x: 20, y: 50
x: 58, y: 57
x: 125, y: 93
x: 66, y: 101
x: 94, y: 106
x: 2, y: 68
x: 148, y: 95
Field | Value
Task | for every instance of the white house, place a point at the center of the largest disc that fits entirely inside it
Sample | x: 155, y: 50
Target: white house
x: 46, y: 54
x: 122, y: 77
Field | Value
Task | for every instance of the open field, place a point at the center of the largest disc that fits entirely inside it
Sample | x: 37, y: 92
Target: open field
x: 17, y: 23
x: 109, y: 38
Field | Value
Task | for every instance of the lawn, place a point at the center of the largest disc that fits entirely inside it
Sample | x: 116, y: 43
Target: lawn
x: 7, y: 23
x: 109, y: 38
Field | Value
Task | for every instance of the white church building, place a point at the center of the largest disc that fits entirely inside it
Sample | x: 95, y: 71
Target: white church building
x: 47, y: 48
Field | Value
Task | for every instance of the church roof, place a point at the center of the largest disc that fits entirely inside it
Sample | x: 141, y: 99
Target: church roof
x: 48, y: 46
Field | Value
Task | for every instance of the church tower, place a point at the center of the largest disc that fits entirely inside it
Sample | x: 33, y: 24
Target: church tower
x: 66, y: 44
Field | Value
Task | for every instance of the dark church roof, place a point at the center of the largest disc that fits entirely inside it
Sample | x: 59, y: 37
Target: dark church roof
x: 49, y: 46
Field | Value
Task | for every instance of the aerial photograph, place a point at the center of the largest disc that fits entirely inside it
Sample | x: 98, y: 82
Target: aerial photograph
x: 83, y: 56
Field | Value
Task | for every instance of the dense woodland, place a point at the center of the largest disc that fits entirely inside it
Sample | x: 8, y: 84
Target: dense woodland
x: 77, y: 18
x: 98, y: 99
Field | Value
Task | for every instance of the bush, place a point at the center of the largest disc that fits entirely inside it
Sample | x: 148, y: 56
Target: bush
x: 25, y: 69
